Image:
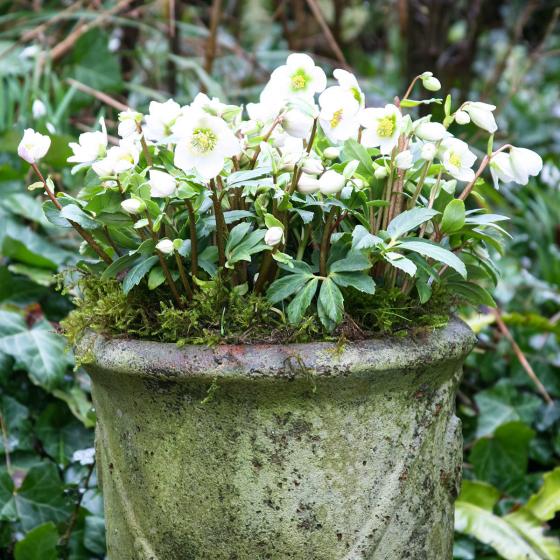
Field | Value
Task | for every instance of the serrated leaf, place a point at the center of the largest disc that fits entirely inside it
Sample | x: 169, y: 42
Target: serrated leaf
x: 286, y: 286
x: 353, y: 262
x: 358, y: 280
x: 332, y: 301
x: 118, y: 265
x: 401, y: 262
x: 436, y: 252
x: 409, y: 220
x: 137, y: 272
x: 298, y: 306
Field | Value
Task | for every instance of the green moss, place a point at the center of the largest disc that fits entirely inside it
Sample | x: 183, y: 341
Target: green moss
x: 219, y: 314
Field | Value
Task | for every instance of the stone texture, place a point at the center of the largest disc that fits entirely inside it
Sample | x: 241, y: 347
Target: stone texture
x: 305, y: 451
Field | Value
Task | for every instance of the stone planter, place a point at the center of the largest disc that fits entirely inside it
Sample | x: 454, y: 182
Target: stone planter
x: 304, y: 451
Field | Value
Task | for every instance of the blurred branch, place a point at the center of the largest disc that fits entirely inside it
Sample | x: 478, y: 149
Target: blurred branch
x: 318, y: 14
x: 107, y: 99
x: 521, y: 356
x: 211, y: 43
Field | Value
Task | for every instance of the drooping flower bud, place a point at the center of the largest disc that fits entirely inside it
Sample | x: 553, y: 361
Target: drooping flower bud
x: 428, y: 151
x: 165, y: 246
x: 462, y: 117
x: 273, y: 236
x: 380, y: 173
x: 331, y: 182
x: 404, y: 160
x: 161, y: 184
x: 308, y: 184
x: 133, y: 206
x: 33, y: 146
x: 332, y: 152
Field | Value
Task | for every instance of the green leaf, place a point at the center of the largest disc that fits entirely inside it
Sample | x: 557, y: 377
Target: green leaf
x: 358, y: 280
x: 332, y: 301
x: 453, y: 216
x: 504, y: 403
x: 409, y: 220
x: 137, y: 272
x: 354, y: 150
x: 545, y: 504
x: 298, y: 306
x: 353, y: 262
x: 39, y: 544
x: 502, y: 460
x: 436, y: 252
x: 286, y: 286
x: 401, y: 262
x: 156, y: 277
x: 94, y: 534
x: 271, y: 221
x: 363, y: 239
x: 413, y: 103
x: 118, y: 265
x: 74, y: 213
x: 41, y: 497
x: 472, y: 293
x: 38, y: 349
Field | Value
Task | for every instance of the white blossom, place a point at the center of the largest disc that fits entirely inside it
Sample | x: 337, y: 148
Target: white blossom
x: 524, y: 164
x: 430, y: 82
x: 312, y: 165
x: 331, y: 182
x: 481, y: 115
x: 380, y: 172
x: 458, y: 159
x: 274, y: 236
x: 118, y: 159
x: 38, y: 109
x: 462, y: 117
x: 128, y: 123
x: 382, y: 127
x: 428, y: 151
x: 203, y: 143
x: 133, y: 205
x: 91, y: 146
x: 84, y: 456
x: 404, y: 160
x: 308, y: 184
x: 430, y: 131
x: 299, y: 77
x: 339, y: 114
x: 33, y: 146
x: 297, y: 123
x: 332, y: 152
x: 165, y: 246
x: 161, y: 184
x: 347, y: 81
x: 160, y: 120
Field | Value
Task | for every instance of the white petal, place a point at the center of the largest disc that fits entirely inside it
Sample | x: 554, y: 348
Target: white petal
x: 300, y: 60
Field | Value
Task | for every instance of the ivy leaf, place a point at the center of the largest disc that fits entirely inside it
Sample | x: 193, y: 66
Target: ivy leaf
x: 38, y: 349
x: 286, y: 286
x: 298, y: 306
x: 39, y: 544
x: 436, y: 252
x: 358, y: 280
x: 502, y: 460
x: 332, y: 301
x: 137, y: 272
x: 409, y: 220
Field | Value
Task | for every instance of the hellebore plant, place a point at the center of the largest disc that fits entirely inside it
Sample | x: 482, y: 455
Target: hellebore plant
x: 310, y: 195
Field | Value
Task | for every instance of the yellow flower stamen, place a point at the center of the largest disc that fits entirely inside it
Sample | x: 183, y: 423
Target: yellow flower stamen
x: 336, y: 118
x: 455, y: 159
x: 386, y: 126
x: 203, y: 140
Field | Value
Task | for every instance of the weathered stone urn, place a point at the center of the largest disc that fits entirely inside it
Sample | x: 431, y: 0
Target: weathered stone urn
x: 303, y: 451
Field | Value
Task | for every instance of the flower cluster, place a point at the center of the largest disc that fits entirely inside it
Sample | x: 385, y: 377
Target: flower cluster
x: 301, y: 197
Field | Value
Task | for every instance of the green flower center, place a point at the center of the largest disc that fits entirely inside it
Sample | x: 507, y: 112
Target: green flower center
x: 386, y: 126
x: 203, y: 140
x: 455, y: 159
x: 336, y: 118
x: 299, y: 80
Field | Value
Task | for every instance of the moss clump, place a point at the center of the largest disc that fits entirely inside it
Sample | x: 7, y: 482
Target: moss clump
x: 219, y: 314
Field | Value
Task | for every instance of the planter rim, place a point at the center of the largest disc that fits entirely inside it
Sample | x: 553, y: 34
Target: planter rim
x: 144, y: 358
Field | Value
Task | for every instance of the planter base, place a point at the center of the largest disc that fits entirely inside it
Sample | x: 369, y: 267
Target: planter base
x: 302, y: 452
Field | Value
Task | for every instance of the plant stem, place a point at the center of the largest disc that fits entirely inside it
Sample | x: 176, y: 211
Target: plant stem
x: 409, y: 90
x: 263, y: 272
x: 84, y: 234
x: 418, y: 190
x: 220, y: 224
x: 194, y: 241
x: 183, y: 276
x: 304, y: 241
x: 325, y: 242
x: 467, y: 190
x: 145, y: 150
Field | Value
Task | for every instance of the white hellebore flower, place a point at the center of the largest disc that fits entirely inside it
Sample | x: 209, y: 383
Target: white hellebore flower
x: 273, y: 236
x: 481, y: 115
x: 331, y: 182
x: 161, y: 184
x: 348, y: 81
x: 308, y: 184
x: 332, y: 152
x: 428, y: 151
x: 213, y: 106
x: 501, y: 169
x: 119, y: 159
x: 91, y: 146
x: 161, y: 119
x: 297, y: 124
x: 430, y: 82
x: 403, y: 160
x: 38, y: 109
x: 458, y: 159
x: 462, y: 117
x: 312, y: 165
x: 339, y: 114
x: 33, y: 146
x: 430, y: 131
x: 524, y: 163
x: 165, y: 246
x: 128, y: 123
x: 380, y: 173
x: 298, y: 77
x: 382, y: 127
x: 133, y: 206
x: 203, y: 143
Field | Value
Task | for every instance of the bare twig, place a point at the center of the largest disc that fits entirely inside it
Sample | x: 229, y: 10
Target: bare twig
x: 521, y: 356
x: 107, y: 99
x: 211, y: 43
x: 318, y: 14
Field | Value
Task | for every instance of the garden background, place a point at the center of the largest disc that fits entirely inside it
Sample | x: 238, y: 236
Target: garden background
x: 63, y: 65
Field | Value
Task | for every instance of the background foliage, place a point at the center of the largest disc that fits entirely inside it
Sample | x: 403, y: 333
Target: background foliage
x: 72, y: 55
